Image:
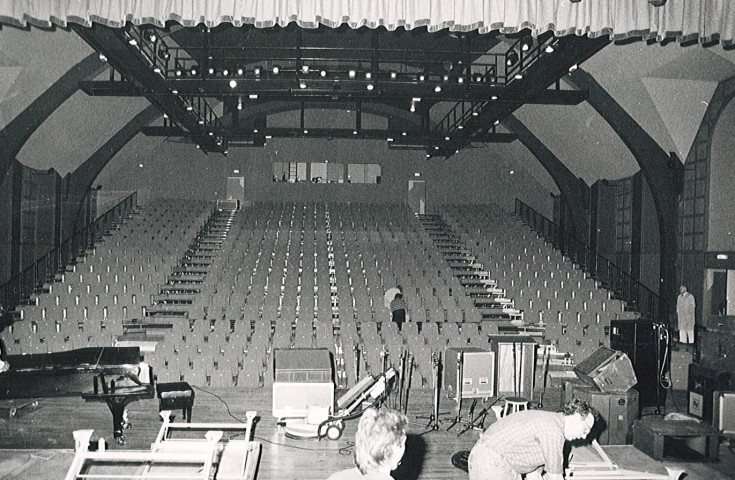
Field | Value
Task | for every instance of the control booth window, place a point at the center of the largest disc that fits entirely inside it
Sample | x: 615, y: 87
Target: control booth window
x: 363, y: 173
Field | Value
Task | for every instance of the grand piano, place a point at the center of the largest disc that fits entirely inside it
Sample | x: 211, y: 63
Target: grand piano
x: 99, y: 374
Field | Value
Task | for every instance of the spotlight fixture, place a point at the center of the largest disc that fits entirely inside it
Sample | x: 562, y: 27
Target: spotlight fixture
x: 150, y: 35
x: 233, y: 83
x: 211, y: 134
x: 165, y: 115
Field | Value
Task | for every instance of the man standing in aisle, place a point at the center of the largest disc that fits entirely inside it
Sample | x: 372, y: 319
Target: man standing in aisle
x: 685, y: 306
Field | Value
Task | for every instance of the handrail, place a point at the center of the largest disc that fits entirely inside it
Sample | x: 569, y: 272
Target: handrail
x: 24, y: 283
x: 612, y: 277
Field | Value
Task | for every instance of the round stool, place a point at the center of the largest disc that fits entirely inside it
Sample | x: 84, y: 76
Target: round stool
x: 497, y: 410
x: 514, y: 404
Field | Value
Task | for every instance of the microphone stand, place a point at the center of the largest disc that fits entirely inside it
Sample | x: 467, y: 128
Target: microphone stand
x: 434, y: 417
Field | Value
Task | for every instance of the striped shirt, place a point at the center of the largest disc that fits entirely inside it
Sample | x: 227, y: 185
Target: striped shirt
x: 525, y: 441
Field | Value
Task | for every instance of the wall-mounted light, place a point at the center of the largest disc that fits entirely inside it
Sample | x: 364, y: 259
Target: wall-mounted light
x: 103, y: 57
x: 233, y: 83
x: 351, y: 73
x: 276, y: 69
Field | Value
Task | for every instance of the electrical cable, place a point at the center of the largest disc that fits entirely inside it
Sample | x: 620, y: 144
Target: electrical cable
x: 229, y: 412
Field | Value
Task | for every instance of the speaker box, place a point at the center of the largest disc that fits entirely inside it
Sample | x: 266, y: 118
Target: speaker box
x: 723, y: 415
x: 515, y: 359
x: 478, y: 372
x: 607, y: 370
x: 617, y: 410
x: 703, y: 382
x: 307, y: 365
x: 639, y: 339
x: 293, y: 400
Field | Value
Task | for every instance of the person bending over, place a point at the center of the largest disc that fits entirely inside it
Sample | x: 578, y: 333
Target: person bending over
x: 380, y: 442
x: 398, y: 310
x: 529, y: 442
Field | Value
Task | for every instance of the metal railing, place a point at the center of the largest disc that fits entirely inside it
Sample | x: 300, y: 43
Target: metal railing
x: 612, y: 277
x: 22, y: 285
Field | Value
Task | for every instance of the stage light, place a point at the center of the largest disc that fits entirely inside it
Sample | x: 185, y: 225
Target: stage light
x: 256, y: 71
x: 370, y: 86
x: 446, y: 138
x: 211, y: 70
x: 475, y: 113
x: 354, y: 132
x: 445, y: 77
x: 211, y: 134
x: 368, y: 75
x: 323, y: 73
x: 526, y: 44
x: 276, y: 69
x: 302, y: 85
x: 393, y: 74
x: 189, y: 108
x: 438, y: 89
x: 157, y: 70
x: 193, y: 71
x: 178, y: 72
x: 351, y: 74
x: 460, y: 79
x: 549, y: 49
x: 306, y: 131
x: 175, y: 92
x: 163, y: 52
x: 233, y: 83
x: 478, y: 78
x: 494, y: 97
x: 403, y: 133
x: 225, y: 72
x: 201, y: 122
x: 240, y: 71
x: 422, y: 77
x: 518, y: 76
x: 497, y: 122
x: 511, y: 58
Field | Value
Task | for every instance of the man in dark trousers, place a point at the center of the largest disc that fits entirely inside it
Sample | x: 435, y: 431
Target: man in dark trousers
x: 398, y: 310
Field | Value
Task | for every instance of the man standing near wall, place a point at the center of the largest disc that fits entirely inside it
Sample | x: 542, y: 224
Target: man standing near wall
x: 685, y: 306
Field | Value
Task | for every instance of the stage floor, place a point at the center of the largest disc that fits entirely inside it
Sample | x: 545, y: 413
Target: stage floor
x: 38, y: 444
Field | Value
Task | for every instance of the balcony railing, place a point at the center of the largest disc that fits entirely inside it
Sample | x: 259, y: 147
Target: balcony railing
x: 22, y: 285
x: 612, y: 277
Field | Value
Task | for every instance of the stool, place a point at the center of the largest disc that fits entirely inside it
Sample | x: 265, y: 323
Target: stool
x: 497, y: 410
x: 514, y: 404
x: 176, y: 395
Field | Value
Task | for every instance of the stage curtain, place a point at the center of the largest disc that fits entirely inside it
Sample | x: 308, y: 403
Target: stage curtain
x: 683, y: 20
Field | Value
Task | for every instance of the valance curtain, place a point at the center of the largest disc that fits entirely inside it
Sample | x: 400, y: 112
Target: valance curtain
x: 683, y: 20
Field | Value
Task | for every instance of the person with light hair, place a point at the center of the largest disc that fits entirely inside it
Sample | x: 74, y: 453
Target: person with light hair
x: 530, y: 443
x: 380, y: 442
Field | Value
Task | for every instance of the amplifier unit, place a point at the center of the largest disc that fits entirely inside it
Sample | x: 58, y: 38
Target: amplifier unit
x: 477, y: 370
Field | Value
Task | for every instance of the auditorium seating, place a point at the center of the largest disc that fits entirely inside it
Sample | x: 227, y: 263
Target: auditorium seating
x: 223, y: 289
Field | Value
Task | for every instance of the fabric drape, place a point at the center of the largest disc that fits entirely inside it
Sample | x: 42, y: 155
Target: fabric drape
x: 684, y: 20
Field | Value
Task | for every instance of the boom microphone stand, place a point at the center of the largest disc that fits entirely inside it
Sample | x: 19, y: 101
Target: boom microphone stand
x: 434, y: 417
x: 458, y: 390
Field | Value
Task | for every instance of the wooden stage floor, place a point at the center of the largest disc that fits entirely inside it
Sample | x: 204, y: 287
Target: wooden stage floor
x: 38, y: 444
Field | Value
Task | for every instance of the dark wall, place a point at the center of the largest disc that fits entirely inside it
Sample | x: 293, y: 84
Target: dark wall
x: 171, y: 170
x: 721, y: 221
x: 604, y: 194
x: 650, y: 241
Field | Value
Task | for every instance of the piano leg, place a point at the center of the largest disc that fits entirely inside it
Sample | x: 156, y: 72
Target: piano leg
x: 117, y: 405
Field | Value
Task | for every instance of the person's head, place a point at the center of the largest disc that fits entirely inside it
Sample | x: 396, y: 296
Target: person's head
x: 398, y: 295
x: 579, y: 418
x: 682, y: 289
x: 400, y: 288
x: 380, y: 440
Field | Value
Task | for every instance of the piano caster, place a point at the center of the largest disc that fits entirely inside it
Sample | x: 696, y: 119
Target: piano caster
x: 120, y: 438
